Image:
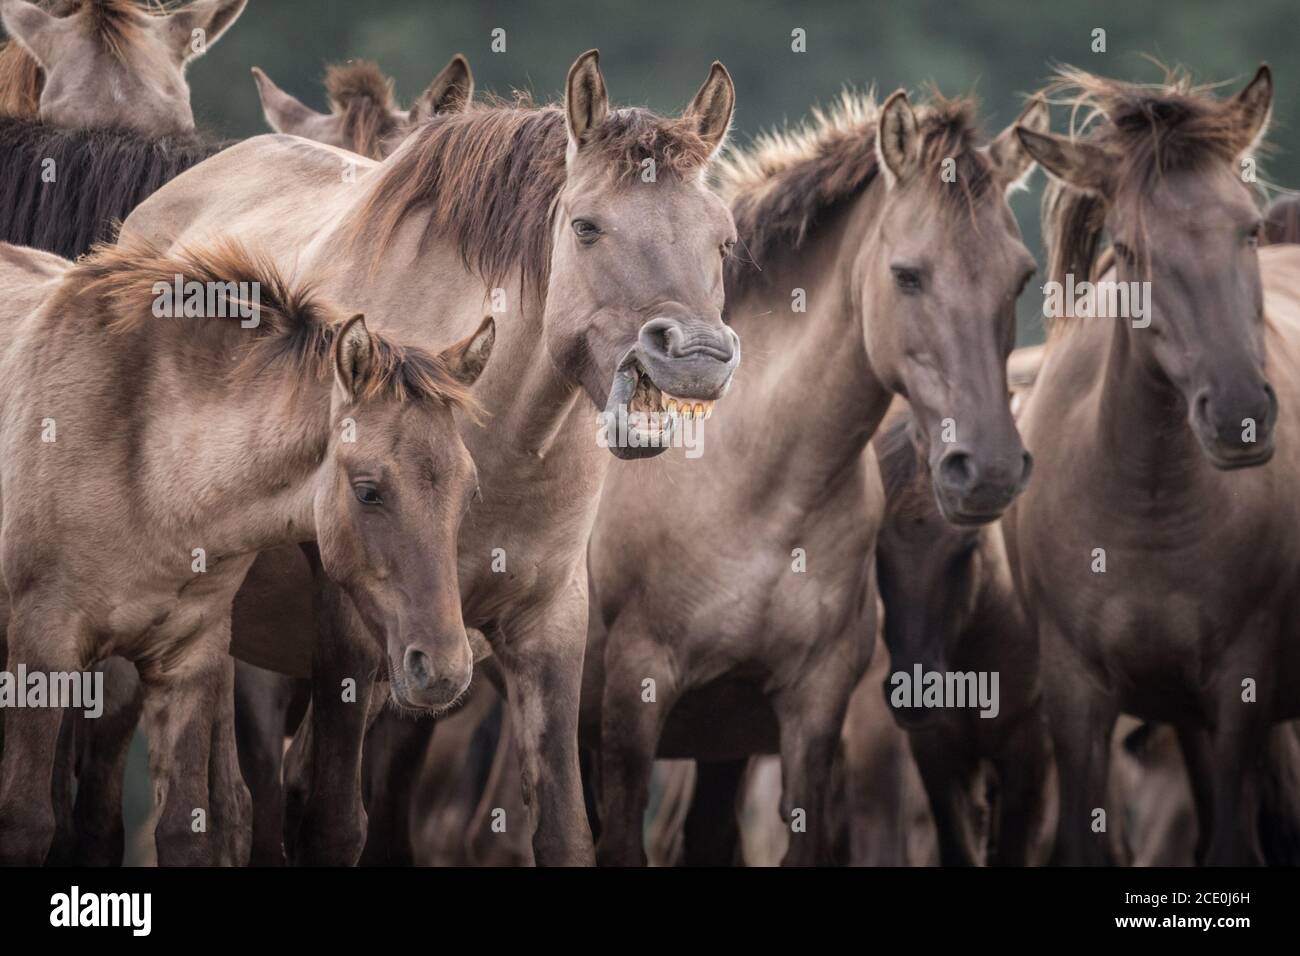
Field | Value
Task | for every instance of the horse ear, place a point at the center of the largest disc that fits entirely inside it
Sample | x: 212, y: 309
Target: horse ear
x: 450, y: 91
x: 35, y: 30
x: 353, y: 353
x: 466, y: 359
x: 1081, y: 165
x: 211, y: 18
x: 1008, y: 155
x: 284, y: 113
x: 713, y: 106
x: 898, y: 141
x: 586, y: 102
x: 1254, y: 106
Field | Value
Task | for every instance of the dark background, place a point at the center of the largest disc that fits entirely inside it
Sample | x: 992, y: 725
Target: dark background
x: 657, y: 53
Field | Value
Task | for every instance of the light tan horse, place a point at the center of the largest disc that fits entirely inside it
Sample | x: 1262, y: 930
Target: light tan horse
x: 364, y: 116
x: 1156, y: 549
x: 111, y: 62
x: 150, y: 450
x: 592, y: 233
x: 877, y: 256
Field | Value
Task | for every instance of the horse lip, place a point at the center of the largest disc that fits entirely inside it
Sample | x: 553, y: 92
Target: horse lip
x: 1238, y: 462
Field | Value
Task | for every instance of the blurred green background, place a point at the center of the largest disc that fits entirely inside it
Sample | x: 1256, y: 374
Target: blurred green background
x: 657, y: 53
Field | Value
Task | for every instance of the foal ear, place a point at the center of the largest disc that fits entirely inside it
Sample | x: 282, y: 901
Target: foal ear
x: 586, y: 103
x: 450, y: 91
x: 211, y: 17
x: 353, y: 353
x: 713, y: 106
x: 1082, y: 165
x: 35, y: 30
x: 284, y: 113
x: 466, y: 359
x: 1254, y: 106
x: 1008, y: 155
x: 898, y: 140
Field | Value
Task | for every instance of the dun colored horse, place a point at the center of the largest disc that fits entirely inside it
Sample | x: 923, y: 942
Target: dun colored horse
x: 1155, y: 550
x: 302, y: 427
x: 364, y: 116
x: 556, y: 218
x: 877, y: 256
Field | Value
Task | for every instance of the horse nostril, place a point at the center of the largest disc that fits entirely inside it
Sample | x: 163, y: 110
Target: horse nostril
x: 1026, y: 468
x: 418, y: 667
x: 1203, y: 408
x: 957, y: 471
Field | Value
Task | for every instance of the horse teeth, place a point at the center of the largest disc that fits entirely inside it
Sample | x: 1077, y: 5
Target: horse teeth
x: 699, y: 410
x: 671, y: 405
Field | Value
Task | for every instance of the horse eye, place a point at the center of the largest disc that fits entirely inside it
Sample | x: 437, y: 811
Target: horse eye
x: 1252, y: 237
x: 727, y: 247
x: 587, y: 231
x: 1123, y: 251
x: 367, y: 494
x: 908, y: 280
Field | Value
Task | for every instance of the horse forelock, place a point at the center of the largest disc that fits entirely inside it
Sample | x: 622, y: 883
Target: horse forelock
x: 783, y: 187
x: 488, y: 178
x: 296, y: 327
x: 363, y: 96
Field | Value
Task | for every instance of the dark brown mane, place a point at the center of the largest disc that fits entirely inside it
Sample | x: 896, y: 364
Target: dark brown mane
x: 787, y: 183
x: 1148, y: 131
x: 903, y: 470
x: 488, y: 178
x: 296, y: 329
x: 361, y: 93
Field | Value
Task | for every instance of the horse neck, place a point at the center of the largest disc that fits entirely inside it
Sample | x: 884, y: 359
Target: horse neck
x: 253, y: 452
x: 814, y: 365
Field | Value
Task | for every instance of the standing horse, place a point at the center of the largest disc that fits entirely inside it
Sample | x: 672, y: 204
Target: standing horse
x: 302, y: 428
x: 745, y: 622
x: 950, y: 605
x: 364, y: 116
x: 1168, y: 445
x: 591, y: 232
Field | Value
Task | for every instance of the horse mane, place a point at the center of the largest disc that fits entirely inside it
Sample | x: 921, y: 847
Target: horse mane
x: 361, y: 93
x: 788, y: 182
x: 117, y: 25
x: 1282, y: 220
x: 296, y: 329
x: 903, y: 471
x: 101, y: 175
x: 1148, y: 131
x: 21, y: 81
x: 489, y: 176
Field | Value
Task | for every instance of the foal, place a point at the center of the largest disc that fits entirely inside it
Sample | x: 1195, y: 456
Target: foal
x: 147, y: 460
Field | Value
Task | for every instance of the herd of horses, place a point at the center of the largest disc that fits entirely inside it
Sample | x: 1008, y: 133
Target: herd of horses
x: 376, y: 592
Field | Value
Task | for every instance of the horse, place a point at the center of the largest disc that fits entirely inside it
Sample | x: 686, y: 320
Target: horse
x: 592, y: 234
x: 877, y: 256
x: 109, y: 63
x: 1167, y: 442
x: 1282, y: 220
x: 950, y: 605
x: 297, y: 424
x: 364, y: 116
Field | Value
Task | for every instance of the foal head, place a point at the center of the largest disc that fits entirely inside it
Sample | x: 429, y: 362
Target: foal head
x: 112, y: 63
x: 364, y: 116
x: 938, y: 275
x: 1160, y: 170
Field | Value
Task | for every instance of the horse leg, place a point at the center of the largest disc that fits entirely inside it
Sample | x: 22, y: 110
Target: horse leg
x: 951, y: 774
x: 63, y: 848
x: 48, y: 643
x: 231, y: 801
x: 811, y: 713
x: 102, y: 753
x: 325, y: 817
x: 392, y: 755
x: 180, y: 706
x: 501, y: 793
x: 1023, y: 765
x: 1240, y: 735
x: 630, y: 727
x: 712, y: 831
x: 1081, y: 718
x: 1197, y: 749
x: 261, y: 705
